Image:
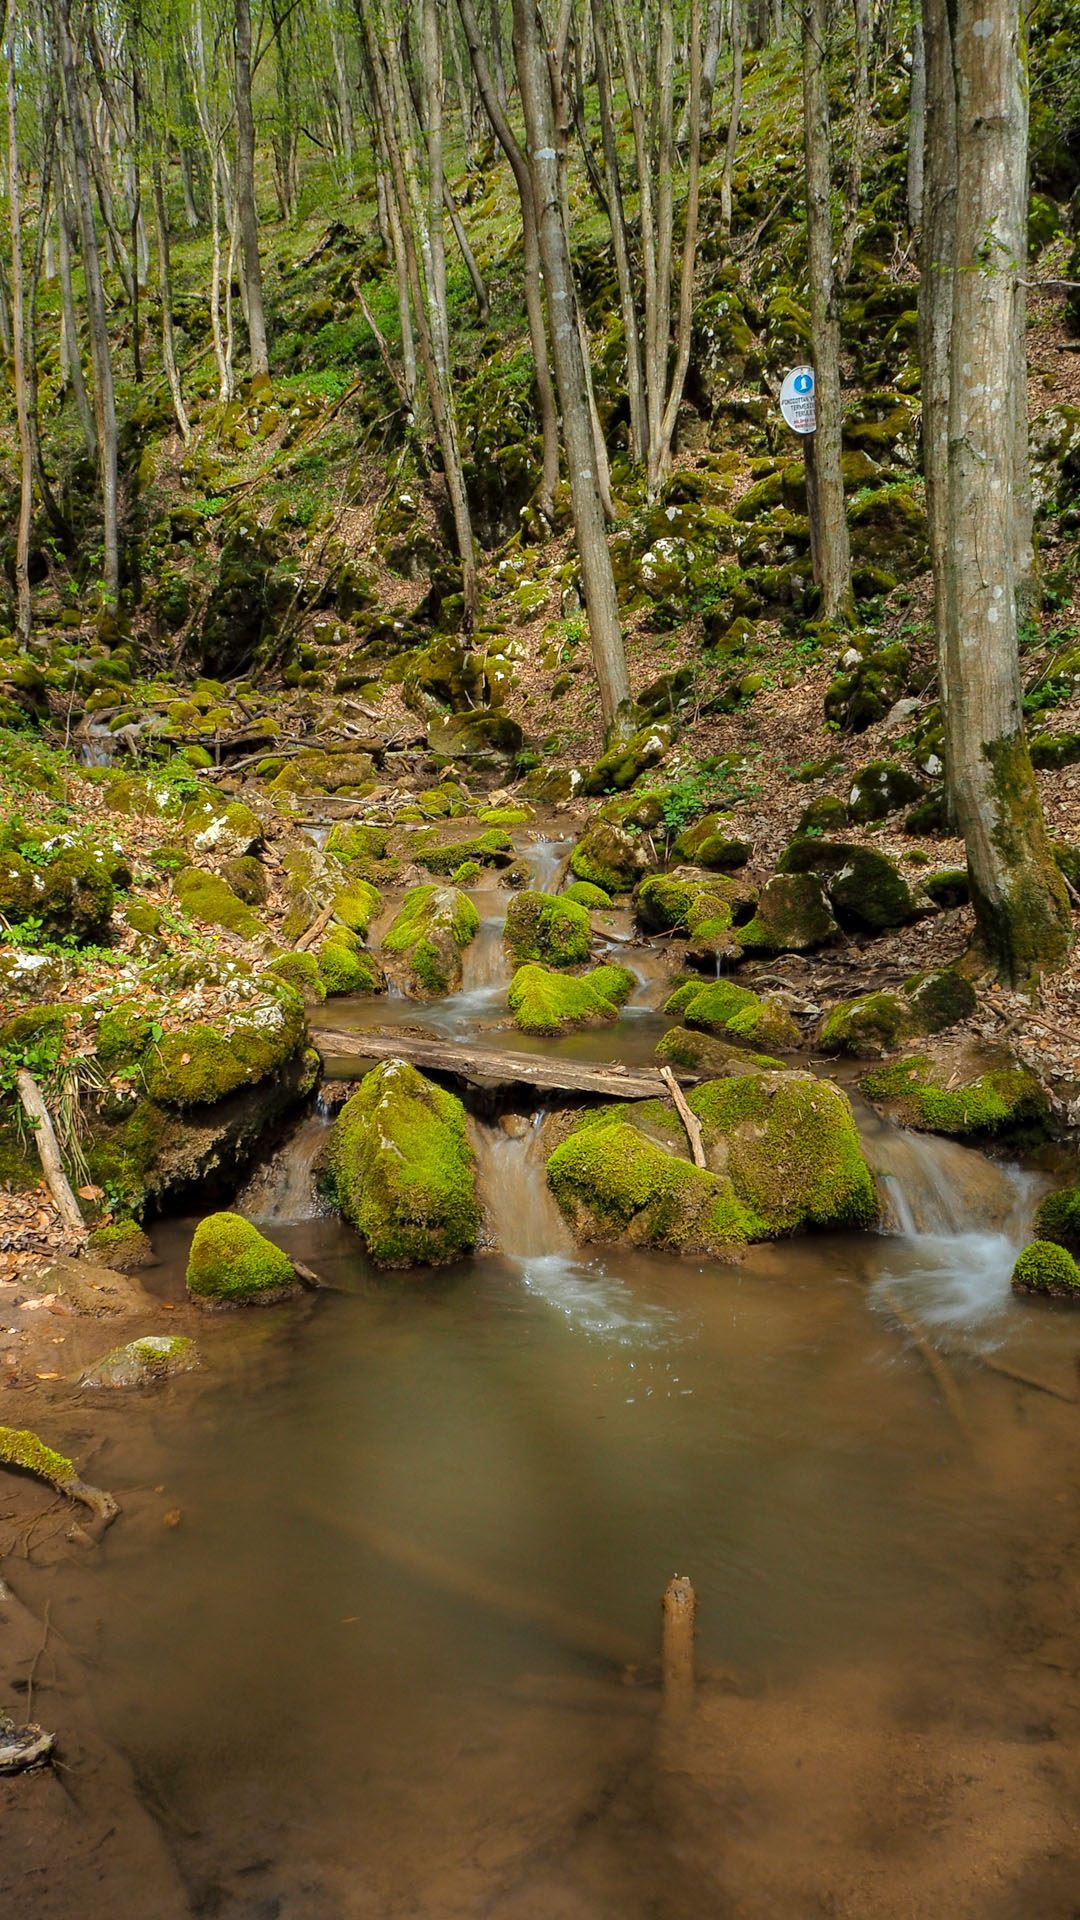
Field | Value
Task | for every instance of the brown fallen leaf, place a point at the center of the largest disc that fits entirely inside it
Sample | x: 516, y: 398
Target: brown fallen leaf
x: 172, y: 1518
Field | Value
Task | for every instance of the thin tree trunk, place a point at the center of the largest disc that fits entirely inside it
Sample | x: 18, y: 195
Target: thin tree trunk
x: 658, y: 317
x: 597, y: 578
x: 23, y: 613
x: 52, y: 1165
x: 344, y: 90
x: 104, y: 396
x: 1021, y: 909
x: 937, y: 257
x: 645, y: 199
x: 168, y: 344
x: 713, y: 35
x: 736, y: 110
x: 534, y: 306
x: 245, y: 195
x: 860, y: 114
x: 497, y: 61
x: 70, y: 325
x: 916, y: 121
x: 684, y: 329
x: 620, y: 242
x: 401, y: 272
x: 834, y: 551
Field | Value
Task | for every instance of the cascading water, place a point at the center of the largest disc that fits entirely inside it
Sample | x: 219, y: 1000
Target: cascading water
x: 545, y: 859
x: 959, y: 1221
x: 283, y: 1188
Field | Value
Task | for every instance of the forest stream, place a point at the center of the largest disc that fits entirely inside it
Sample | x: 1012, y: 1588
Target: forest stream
x: 399, y: 1654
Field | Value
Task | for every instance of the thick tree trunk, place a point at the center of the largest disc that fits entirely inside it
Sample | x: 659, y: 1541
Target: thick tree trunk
x: 916, y: 121
x: 834, y: 552
x: 104, y: 396
x: 245, y: 195
x: 1021, y: 910
x: 937, y: 255
x: 534, y: 305
x: 594, y: 557
x: 23, y: 614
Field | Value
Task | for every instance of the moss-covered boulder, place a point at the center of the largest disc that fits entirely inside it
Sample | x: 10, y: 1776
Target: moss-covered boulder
x: 494, y: 848
x: 792, y: 916
x: 610, y: 857
x: 428, y: 934
x: 789, y: 1144
x: 622, y: 765
x: 205, y: 896
x: 864, y: 887
x: 880, y: 788
x: 547, y: 927
x: 545, y: 1002
x: 144, y: 1363
x: 940, y: 999
x: 1047, y: 1268
x: 584, y: 894
x: 485, y: 738
x: 948, y: 888
x: 301, y: 972
x: 402, y: 1169
x: 224, y: 828
x: 693, y: 1051
x: 870, y: 680
x: 721, y: 1007
x: 205, y: 1060
x: 232, y: 1264
x: 1057, y: 1218
x: 357, y: 905
x: 868, y: 1026
x: 347, y: 967
x: 121, y: 1245
x: 613, y: 1184
x: 68, y: 891
x: 947, y: 1094
x: 691, y: 902
x: 247, y: 877
x: 706, y: 844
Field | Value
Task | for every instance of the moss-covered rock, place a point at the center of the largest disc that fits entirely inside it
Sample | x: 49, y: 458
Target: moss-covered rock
x: 354, y: 841
x: 357, y: 905
x: 247, y: 877
x: 347, y: 967
x: 869, y: 682
x: 789, y: 1144
x: 402, y: 1169
x: 940, y: 999
x: 1045, y: 1267
x: 867, y: 1027
x: 720, y: 1006
x: 1057, y: 1218
x: 122, y: 1245
x: 880, y: 788
x: 610, y: 857
x: 206, y: 897
x: 864, y: 887
x: 485, y: 738
x: 706, y: 844
x: 584, y: 894
x: 225, y: 828
x: 301, y: 972
x: 545, y: 1002
x: 919, y: 1092
x: 792, y: 916
x: 547, y: 927
x: 69, y: 891
x: 615, y: 1185
x: 207, y: 1060
x: 428, y: 934
x: 232, y: 1264
x: 694, y: 1051
x: 947, y: 888
x: 491, y: 849
x: 622, y: 765
x: 143, y: 1363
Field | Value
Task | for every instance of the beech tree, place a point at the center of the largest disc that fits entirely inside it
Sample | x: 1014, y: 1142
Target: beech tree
x: 833, y: 556
x: 18, y: 339
x: 976, y: 447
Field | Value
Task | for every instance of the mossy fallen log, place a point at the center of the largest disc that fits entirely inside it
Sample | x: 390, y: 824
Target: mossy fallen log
x: 21, y: 1448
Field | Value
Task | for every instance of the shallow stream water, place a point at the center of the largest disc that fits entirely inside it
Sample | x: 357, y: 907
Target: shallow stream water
x: 400, y: 1655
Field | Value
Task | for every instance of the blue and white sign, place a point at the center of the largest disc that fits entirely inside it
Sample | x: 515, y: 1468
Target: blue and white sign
x: 797, y: 400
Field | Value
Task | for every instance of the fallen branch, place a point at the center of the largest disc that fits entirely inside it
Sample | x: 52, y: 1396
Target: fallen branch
x: 689, y: 1119
x: 49, y: 1152
x: 677, y: 1611
x: 21, y: 1448
x: 316, y: 927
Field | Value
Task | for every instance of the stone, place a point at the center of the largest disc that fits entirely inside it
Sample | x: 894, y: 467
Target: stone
x: 545, y: 1002
x: 548, y: 927
x: 792, y: 916
x: 232, y: 1264
x: 143, y: 1363
x: 428, y: 934
x: 402, y: 1169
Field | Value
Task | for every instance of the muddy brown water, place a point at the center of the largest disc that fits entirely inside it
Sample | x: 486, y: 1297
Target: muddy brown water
x: 399, y: 1656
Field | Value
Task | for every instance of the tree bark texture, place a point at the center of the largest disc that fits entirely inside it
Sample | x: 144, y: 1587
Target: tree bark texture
x: 589, y: 524
x: 1021, y: 909
x: 245, y: 195
x: 916, y: 121
x: 835, y: 556
x: 18, y: 342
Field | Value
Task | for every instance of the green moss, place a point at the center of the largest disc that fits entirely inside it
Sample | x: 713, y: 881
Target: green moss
x: 864, y: 887
x: 121, y: 1244
x: 351, y: 840
x: 1003, y: 1098
x: 1058, y: 1218
x: 123, y: 1036
x: 357, y: 904
x: 229, y: 828
x: 432, y: 926
x: 612, y: 1183
x: 467, y: 873
x: 206, y: 897
x: 608, y: 857
x: 232, y: 1262
x: 940, y: 999
x: 301, y: 972
x: 1046, y: 1267
x: 505, y: 816
x: 707, y: 845
x: 705, y: 1053
x: 492, y: 848
x: 792, y: 917
x: 1027, y: 929
x: 874, y: 1023
x: 584, y: 894
x: 546, y: 1002
x: 143, y: 1362
x: 344, y: 970
x: 791, y: 1147
x: 547, y: 927
x: 207, y: 1060
x: 37, y: 1030
x: 723, y: 1007
x: 21, y: 1448
x: 699, y: 909
x: 402, y: 1169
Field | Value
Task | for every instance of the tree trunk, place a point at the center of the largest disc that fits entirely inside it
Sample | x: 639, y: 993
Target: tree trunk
x: 344, y: 90
x: 658, y: 311
x: 1021, y: 910
x: 104, y: 396
x: 168, y: 345
x: 684, y: 330
x: 245, y: 195
x: 736, y: 109
x: 713, y: 33
x: 937, y: 256
x: 835, y: 557
x: 620, y: 242
x: 23, y: 615
x: 859, y: 117
x: 69, y: 322
x: 534, y: 306
x: 916, y: 121
x: 595, y: 559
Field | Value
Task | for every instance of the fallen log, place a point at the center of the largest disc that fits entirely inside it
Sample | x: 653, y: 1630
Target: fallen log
x: 487, y: 1064
x: 23, y: 1449
x: 48, y: 1148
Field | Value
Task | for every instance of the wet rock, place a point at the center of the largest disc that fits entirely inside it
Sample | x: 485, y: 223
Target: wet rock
x: 232, y: 1264
x: 345, y: 966
x: 122, y: 1245
x: 428, y: 934
x: 1057, y: 1218
x: 610, y: 857
x: 736, y: 1013
x: 868, y: 1026
x: 548, y: 927
x: 706, y: 1054
x: 959, y: 1090
x: 1046, y: 1268
x: 544, y: 1002
x: 615, y: 1185
x: 494, y: 848
x: 792, y: 916
x: 300, y: 971
x: 87, y: 1288
x: 143, y: 1363
x: 789, y: 1144
x: 402, y: 1169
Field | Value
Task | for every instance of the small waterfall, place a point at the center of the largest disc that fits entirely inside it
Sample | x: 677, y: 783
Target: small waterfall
x: 283, y: 1188
x: 545, y: 858
x: 95, y: 745
x: 485, y: 965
